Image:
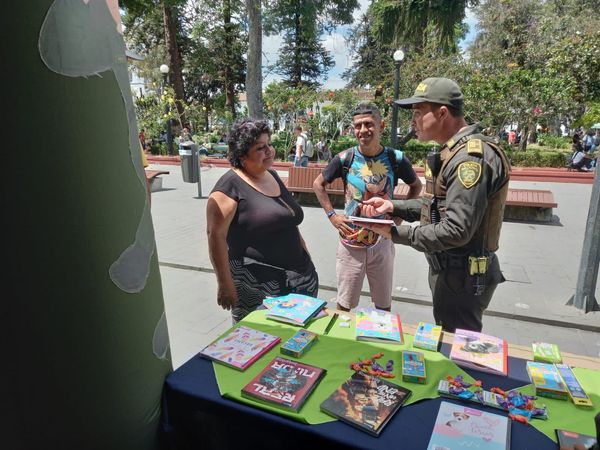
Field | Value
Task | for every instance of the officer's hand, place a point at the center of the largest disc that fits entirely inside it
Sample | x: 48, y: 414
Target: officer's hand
x: 341, y: 223
x: 379, y: 228
x: 376, y: 206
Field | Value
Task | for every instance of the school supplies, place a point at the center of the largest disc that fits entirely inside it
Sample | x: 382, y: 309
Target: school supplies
x: 546, y: 353
x: 413, y: 367
x: 299, y: 343
x: 378, y: 326
x: 480, y: 351
x: 547, y: 380
x: 296, y: 309
x: 427, y: 336
x: 576, y: 392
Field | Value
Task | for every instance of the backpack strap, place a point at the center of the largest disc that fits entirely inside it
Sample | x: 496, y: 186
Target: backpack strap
x: 346, y: 157
x: 395, y: 156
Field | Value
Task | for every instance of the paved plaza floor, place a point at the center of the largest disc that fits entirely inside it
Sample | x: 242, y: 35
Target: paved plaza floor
x: 539, y: 261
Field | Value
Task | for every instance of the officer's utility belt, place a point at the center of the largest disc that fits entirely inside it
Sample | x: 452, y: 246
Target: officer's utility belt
x: 474, y: 264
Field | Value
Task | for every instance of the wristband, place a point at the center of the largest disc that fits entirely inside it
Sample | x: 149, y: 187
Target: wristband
x: 331, y: 213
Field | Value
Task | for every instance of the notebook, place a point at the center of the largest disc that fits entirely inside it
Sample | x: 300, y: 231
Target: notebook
x: 296, y: 309
x: 480, y: 351
x: 378, y: 326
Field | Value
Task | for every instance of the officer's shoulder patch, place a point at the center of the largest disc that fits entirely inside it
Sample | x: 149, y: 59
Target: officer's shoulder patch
x: 475, y: 147
x: 469, y: 173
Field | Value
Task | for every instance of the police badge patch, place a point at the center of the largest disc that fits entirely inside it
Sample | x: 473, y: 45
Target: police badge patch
x: 469, y: 173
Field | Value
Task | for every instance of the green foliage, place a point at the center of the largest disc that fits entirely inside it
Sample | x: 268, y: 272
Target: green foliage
x: 552, y: 141
x: 342, y: 143
x: 591, y: 116
x: 282, y: 141
x: 537, y: 158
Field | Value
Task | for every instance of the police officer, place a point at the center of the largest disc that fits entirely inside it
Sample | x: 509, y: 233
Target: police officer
x: 461, y: 210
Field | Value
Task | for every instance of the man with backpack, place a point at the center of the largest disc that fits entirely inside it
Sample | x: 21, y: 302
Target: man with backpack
x: 304, y: 148
x: 368, y: 170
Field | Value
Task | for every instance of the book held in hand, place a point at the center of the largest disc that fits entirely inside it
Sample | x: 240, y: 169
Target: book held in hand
x: 378, y: 326
x: 366, y: 402
x: 427, y: 336
x: 568, y: 439
x: 296, y: 309
x: 284, y: 383
x: 480, y: 351
x: 370, y: 220
x: 461, y: 427
x: 240, y: 347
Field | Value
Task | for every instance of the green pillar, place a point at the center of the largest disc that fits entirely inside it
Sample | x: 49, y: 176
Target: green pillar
x: 85, y: 338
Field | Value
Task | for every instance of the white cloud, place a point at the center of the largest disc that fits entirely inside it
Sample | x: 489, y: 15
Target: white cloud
x: 334, y: 82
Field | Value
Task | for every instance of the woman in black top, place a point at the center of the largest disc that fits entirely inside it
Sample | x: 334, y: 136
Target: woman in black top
x: 254, y: 242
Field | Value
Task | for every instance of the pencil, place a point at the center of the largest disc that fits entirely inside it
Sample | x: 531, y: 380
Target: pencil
x: 331, y: 322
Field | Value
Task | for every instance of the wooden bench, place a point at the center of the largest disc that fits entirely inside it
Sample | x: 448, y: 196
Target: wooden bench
x: 153, y: 178
x: 521, y: 204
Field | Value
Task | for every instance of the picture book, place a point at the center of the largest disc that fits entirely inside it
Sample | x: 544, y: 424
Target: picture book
x: 299, y: 343
x: 371, y: 220
x: 427, y: 336
x: 284, y: 383
x: 546, y: 380
x: 413, y: 367
x: 269, y: 302
x: 458, y: 426
x: 568, y: 439
x: 480, y: 351
x: 546, y: 353
x: 379, y: 326
x: 296, y: 309
x: 366, y: 402
x: 240, y: 347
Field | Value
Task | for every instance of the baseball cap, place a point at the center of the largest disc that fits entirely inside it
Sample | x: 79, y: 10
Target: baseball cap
x: 442, y: 91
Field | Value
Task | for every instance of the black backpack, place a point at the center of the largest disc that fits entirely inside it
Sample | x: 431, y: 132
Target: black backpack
x: 347, y: 156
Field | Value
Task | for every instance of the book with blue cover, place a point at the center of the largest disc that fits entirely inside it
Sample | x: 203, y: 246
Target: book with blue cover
x: 295, y: 309
x: 299, y: 343
x: 547, y: 381
x: 427, y: 336
x: 461, y: 427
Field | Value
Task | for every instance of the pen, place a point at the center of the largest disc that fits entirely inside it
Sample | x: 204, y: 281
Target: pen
x: 331, y: 322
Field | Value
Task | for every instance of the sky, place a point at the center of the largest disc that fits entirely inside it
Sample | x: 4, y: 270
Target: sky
x: 336, y: 44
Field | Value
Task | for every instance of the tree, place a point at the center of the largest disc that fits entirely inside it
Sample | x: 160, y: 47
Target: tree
x: 254, y: 59
x: 303, y: 59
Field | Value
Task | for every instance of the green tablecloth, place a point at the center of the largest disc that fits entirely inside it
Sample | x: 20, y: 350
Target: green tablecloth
x: 333, y: 352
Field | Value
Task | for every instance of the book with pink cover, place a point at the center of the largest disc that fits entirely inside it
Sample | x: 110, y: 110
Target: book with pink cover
x: 378, y: 326
x: 458, y: 426
x: 240, y: 347
x: 480, y: 351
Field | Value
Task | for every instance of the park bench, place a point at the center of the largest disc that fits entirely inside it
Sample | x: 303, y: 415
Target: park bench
x: 153, y: 178
x: 521, y: 204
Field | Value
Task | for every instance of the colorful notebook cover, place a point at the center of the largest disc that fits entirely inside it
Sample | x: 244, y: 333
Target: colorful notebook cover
x: 366, y: 402
x: 379, y: 326
x: 284, y: 383
x: 427, y: 336
x: 299, y: 343
x: 568, y: 439
x: 296, y: 309
x: 546, y: 353
x: 240, y: 348
x: 269, y: 302
x: 480, y: 351
x: 546, y: 380
x: 458, y: 427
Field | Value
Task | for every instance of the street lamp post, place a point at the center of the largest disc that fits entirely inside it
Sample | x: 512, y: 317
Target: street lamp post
x: 164, y: 69
x: 398, y: 58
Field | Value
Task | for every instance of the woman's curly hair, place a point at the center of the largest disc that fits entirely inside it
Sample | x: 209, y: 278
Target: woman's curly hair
x: 243, y: 134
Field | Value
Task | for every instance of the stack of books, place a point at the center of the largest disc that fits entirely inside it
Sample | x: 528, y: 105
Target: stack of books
x: 480, y: 351
x: 378, y: 326
x: 295, y: 309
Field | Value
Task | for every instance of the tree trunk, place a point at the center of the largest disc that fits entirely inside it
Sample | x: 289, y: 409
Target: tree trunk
x: 524, y: 137
x: 85, y: 338
x: 297, y: 65
x: 228, y: 72
x: 170, y: 26
x: 254, y: 63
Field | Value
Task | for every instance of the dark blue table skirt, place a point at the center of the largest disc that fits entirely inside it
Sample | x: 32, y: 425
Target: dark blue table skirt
x: 195, y: 416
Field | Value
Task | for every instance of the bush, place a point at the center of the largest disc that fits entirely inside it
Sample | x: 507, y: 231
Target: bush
x: 417, y: 151
x: 342, y: 143
x: 537, y: 158
x: 552, y: 141
x: 282, y: 142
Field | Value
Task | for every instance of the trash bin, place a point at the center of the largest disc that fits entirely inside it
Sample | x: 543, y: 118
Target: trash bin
x: 190, y: 170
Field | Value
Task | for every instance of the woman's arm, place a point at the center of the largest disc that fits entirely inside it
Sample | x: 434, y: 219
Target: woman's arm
x: 220, y: 211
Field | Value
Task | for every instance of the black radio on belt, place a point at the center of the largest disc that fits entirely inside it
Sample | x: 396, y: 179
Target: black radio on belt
x: 434, y: 161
